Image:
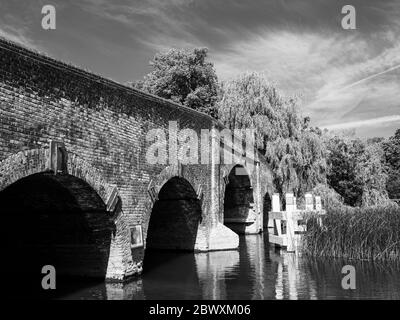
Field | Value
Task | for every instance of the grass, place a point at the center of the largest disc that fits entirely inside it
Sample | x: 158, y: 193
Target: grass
x: 371, y: 233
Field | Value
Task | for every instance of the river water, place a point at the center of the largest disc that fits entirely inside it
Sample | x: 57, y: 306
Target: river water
x: 255, y: 271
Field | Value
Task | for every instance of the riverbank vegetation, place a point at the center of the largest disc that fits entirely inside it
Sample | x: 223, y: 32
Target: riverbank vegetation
x: 361, y: 222
x: 356, y: 233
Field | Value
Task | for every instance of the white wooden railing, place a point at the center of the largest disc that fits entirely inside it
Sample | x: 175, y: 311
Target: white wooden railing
x: 296, y: 223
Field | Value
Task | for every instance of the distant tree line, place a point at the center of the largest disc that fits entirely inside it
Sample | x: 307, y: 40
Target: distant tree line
x: 363, y: 172
x: 343, y: 169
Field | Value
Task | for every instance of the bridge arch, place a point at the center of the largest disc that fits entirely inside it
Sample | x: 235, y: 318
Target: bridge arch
x: 28, y: 162
x: 69, y: 189
x: 239, y: 200
x: 176, y: 210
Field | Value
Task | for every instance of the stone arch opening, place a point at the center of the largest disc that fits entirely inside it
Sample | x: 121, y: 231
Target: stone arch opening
x: 174, y: 219
x: 267, y: 207
x: 54, y: 220
x: 239, y: 212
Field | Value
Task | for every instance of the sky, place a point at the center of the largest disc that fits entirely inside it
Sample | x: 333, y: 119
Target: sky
x: 348, y: 79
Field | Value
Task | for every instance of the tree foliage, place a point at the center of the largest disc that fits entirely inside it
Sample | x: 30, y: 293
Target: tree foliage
x: 343, y: 154
x: 356, y: 170
x: 294, y: 151
x: 371, y: 175
x: 391, y: 149
x: 330, y: 198
x: 183, y: 76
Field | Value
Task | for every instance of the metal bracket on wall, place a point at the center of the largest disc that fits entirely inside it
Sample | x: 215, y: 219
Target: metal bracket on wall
x: 58, y: 157
x: 225, y: 177
x: 200, y: 193
x: 152, y: 192
x: 114, y: 203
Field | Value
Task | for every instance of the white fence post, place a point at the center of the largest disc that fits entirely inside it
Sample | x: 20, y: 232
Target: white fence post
x: 309, y: 202
x: 276, y: 205
x: 289, y: 202
x: 290, y: 208
x: 318, y: 205
x: 292, y: 239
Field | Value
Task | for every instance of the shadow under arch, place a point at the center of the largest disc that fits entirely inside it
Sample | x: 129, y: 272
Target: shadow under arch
x: 56, y: 162
x: 174, y: 220
x: 57, y: 220
x: 239, y: 212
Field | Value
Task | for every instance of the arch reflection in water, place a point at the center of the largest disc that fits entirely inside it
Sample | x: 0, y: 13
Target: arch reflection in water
x: 181, y: 276
x: 173, y: 275
x: 212, y: 269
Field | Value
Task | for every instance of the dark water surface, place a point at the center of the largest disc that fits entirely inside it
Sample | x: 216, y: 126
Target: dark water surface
x: 255, y: 271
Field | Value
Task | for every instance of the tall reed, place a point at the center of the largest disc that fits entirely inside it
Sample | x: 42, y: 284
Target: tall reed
x: 371, y: 233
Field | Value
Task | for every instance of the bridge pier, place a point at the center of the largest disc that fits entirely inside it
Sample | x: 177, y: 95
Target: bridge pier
x: 216, y: 237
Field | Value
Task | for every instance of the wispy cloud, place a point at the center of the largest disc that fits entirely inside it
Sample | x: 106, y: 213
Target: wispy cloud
x: 340, y: 77
x: 366, y: 64
x: 18, y: 35
x: 370, y: 77
x: 364, y: 123
x: 153, y: 23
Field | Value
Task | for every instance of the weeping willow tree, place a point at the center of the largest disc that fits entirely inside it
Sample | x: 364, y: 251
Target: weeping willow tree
x: 294, y: 151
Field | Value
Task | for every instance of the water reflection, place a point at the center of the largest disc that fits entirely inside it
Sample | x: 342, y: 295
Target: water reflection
x: 213, y: 268
x: 373, y: 280
x: 255, y: 271
x: 129, y: 291
x: 291, y: 280
x: 170, y: 275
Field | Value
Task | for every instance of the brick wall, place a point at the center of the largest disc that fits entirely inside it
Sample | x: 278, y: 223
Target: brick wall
x: 99, y: 120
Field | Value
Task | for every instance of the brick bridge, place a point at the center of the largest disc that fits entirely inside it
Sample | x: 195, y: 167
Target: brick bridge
x: 75, y: 180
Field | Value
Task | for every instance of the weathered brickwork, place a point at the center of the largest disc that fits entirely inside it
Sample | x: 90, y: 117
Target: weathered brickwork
x: 102, y: 126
